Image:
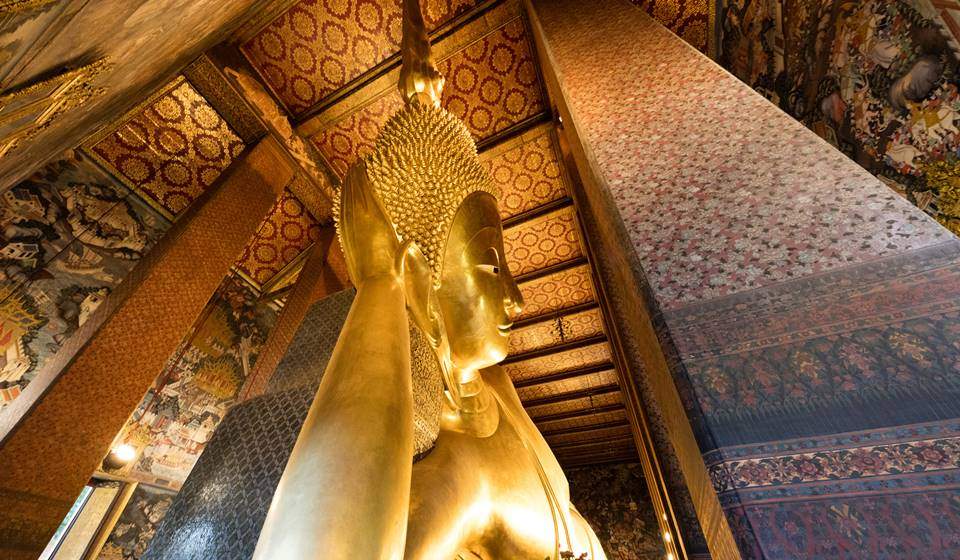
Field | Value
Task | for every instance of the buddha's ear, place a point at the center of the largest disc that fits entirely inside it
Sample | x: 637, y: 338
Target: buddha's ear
x: 419, y: 291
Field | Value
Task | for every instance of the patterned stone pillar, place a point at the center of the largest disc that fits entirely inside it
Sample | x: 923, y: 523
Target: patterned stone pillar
x: 221, y: 508
x: 46, y: 459
x: 793, y: 321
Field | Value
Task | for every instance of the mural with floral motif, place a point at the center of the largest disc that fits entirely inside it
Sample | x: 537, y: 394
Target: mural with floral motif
x: 68, y: 236
x: 614, y: 500
x: 178, y: 415
x: 880, y: 80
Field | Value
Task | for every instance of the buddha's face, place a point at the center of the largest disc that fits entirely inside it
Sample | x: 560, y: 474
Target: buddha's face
x: 478, y: 297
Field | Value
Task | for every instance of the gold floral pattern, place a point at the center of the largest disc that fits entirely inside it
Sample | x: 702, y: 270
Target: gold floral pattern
x: 172, y: 150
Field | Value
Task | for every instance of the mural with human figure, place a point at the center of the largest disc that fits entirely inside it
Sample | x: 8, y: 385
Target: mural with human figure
x: 179, y: 413
x: 69, y: 235
x: 878, y: 79
x: 616, y: 502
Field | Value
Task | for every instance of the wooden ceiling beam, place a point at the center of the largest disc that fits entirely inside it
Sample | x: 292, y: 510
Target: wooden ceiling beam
x: 555, y: 349
x: 599, y: 441
x: 587, y: 428
x: 532, y: 213
x: 564, y: 375
x: 573, y: 395
x: 554, y: 269
x: 514, y: 130
x: 578, y: 413
x: 579, y: 462
x: 552, y: 316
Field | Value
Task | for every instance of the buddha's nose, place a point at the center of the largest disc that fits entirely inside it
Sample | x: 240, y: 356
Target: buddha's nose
x: 512, y: 299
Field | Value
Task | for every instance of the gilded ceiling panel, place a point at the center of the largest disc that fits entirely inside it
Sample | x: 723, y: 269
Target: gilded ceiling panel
x: 286, y: 232
x: 355, y: 135
x: 318, y: 46
x: 493, y: 83
x: 575, y: 405
x: 690, y: 19
x: 559, y: 361
x: 565, y: 328
x: 527, y: 171
x: 583, y: 421
x: 564, y: 386
x: 544, y: 241
x: 171, y: 150
x: 556, y: 292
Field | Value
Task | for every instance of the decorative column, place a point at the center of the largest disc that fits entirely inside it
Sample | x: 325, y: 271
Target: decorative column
x: 49, y: 455
x: 323, y: 274
x: 793, y: 324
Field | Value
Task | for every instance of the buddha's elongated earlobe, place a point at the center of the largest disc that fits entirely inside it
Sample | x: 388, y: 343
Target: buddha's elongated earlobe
x: 419, y: 291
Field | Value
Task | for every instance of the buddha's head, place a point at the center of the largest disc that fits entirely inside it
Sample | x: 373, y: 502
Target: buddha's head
x: 426, y: 172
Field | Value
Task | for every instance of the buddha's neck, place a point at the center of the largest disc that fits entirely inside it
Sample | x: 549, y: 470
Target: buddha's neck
x: 478, y: 414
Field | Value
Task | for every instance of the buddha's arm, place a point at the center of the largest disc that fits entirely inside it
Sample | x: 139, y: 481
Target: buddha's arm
x: 346, y: 489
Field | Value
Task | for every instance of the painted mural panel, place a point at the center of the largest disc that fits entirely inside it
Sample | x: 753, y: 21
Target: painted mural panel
x: 137, y: 524
x: 880, y: 80
x: 178, y: 415
x: 70, y: 235
x: 614, y: 500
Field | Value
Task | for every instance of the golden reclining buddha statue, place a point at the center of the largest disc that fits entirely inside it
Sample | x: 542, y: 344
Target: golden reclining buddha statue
x: 422, y: 236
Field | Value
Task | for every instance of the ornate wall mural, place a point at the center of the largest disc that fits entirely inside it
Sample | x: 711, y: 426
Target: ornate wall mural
x: 614, y: 500
x: 137, y: 524
x: 190, y: 397
x: 70, y: 235
x: 813, y: 349
x: 878, y: 80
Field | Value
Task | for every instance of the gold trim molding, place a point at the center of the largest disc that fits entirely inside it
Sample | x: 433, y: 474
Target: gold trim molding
x: 9, y: 7
x: 27, y: 111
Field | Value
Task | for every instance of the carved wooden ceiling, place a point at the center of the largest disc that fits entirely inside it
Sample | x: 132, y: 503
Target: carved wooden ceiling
x: 333, y: 67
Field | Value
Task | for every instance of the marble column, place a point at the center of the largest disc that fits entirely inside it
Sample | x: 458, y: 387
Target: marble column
x: 50, y: 454
x: 794, y: 325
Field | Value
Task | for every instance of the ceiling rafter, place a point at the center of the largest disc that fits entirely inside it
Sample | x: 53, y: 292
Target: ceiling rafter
x: 578, y: 413
x: 591, y: 392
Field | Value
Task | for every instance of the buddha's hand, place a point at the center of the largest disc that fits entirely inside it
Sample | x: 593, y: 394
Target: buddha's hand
x: 420, y: 79
x: 370, y: 242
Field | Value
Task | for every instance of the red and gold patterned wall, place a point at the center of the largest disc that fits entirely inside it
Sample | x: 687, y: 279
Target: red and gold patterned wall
x: 692, y: 20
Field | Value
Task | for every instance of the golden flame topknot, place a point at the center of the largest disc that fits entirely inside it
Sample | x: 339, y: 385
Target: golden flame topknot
x: 424, y: 166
